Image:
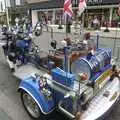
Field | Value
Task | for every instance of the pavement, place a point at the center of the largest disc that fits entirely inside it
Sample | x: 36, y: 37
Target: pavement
x: 114, y: 33
x: 3, y: 115
x: 11, y: 107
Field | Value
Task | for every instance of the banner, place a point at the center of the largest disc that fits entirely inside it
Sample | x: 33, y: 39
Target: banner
x: 68, y: 8
x: 81, y: 7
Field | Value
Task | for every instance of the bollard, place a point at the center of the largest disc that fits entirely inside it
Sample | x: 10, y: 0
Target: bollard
x: 118, y: 51
x: 98, y: 37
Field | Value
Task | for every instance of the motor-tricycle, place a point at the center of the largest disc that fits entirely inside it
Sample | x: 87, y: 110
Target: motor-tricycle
x: 78, y: 80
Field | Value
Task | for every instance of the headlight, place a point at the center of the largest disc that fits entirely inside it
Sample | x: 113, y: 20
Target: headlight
x: 38, y: 28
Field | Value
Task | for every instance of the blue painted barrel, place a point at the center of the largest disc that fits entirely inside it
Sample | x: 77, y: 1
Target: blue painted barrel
x: 95, y: 65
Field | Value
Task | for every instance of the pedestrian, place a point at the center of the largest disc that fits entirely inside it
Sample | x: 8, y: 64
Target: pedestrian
x: 81, y: 27
x: 16, y: 21
x: 96, y: 23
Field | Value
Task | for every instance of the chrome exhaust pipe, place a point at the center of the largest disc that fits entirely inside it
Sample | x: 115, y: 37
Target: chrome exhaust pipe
x: 68, y: 114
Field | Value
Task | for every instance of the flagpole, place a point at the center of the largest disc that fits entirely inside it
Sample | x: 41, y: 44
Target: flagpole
x: 68, y: 13
x: 66, y: 20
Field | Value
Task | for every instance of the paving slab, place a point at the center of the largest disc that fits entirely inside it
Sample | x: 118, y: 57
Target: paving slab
x: 4, y: 116
x: 112, y: 34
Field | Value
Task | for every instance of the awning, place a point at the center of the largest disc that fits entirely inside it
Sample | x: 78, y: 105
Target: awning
x: 52, y: 4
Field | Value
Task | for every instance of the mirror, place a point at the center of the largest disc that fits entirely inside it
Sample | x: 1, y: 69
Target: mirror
x: 53, y: 44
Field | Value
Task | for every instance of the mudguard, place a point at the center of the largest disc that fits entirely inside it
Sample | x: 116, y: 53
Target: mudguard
x: 31, y: 86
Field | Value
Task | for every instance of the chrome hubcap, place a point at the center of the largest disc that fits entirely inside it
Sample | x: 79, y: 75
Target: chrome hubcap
x: 31, y: 105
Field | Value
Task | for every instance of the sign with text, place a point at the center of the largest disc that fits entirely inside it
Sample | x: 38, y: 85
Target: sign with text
x: 36, y: 1
x: 92, y: 2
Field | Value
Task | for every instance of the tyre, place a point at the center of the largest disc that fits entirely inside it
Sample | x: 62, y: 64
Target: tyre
x: 31, y: 106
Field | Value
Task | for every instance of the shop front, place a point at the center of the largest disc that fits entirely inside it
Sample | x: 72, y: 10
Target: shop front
x: 105, y: 11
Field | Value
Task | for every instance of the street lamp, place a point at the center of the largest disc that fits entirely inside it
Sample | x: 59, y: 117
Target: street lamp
x: 60, y: 16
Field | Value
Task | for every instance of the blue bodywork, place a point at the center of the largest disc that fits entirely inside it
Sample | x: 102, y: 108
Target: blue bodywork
x: 31, y: 86
x: 63, y: 77
x: 94, y: 67
x: 24, y: 45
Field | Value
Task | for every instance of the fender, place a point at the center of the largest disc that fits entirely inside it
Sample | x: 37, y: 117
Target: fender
x: 31, y: 86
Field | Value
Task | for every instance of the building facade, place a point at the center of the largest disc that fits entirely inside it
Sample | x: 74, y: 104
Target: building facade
x: 52, y: 10
x: 17, y: 9
x: 10, y: 9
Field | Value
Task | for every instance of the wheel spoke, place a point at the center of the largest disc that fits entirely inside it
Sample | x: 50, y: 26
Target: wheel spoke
x: 31, y: 105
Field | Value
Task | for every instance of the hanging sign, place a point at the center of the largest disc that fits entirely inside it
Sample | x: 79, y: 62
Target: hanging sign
x: 94, y: 1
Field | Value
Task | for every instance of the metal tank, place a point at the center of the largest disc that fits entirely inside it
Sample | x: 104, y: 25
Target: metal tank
x: 97, y: 64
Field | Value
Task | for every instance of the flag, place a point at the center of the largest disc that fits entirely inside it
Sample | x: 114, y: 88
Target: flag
x: 68, y: 8
x: 81, y: 7
x: 118, y: 11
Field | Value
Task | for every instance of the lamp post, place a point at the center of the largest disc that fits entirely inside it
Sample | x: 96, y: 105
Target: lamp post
x: 6, y: 11
x: 60, y: 17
